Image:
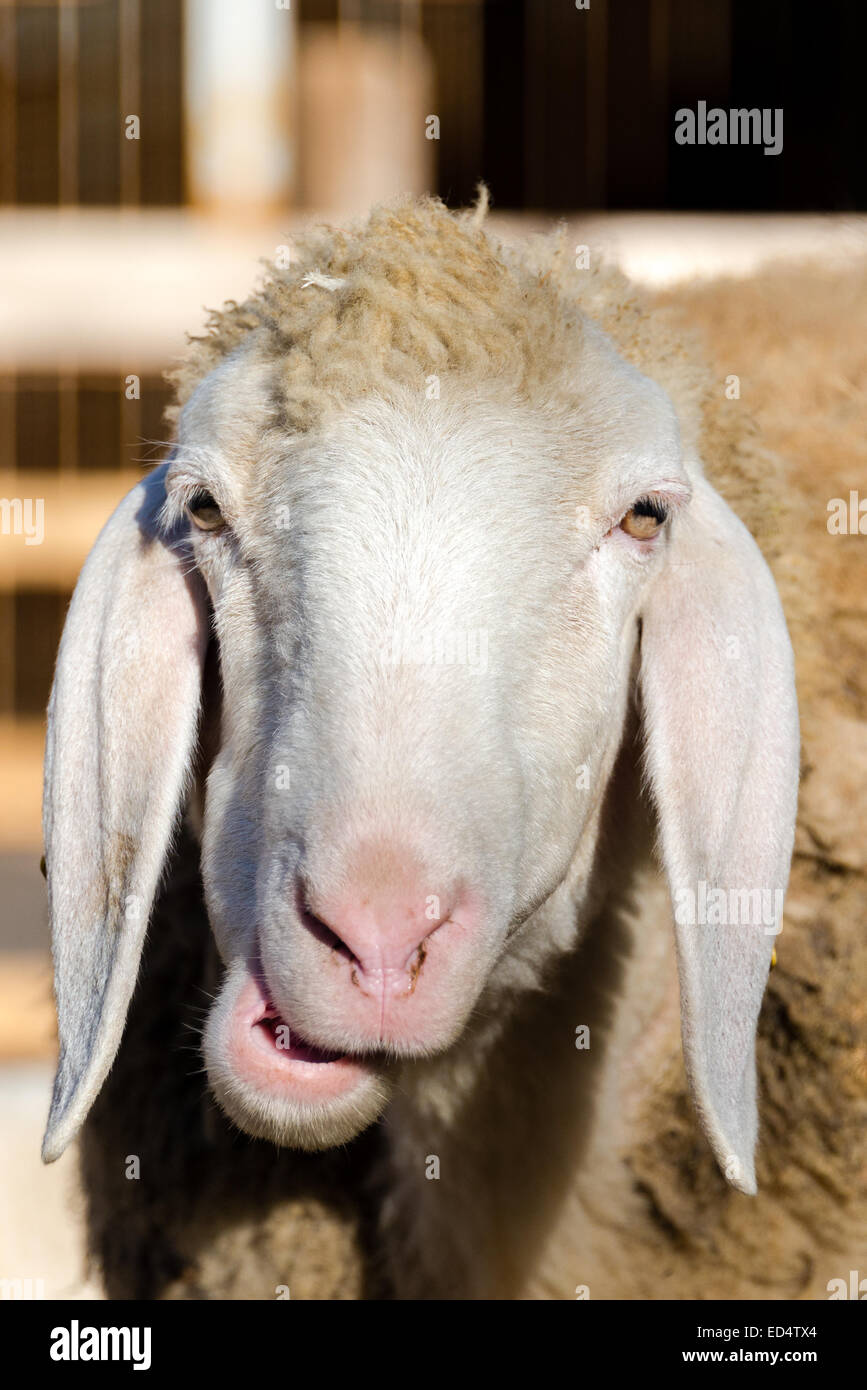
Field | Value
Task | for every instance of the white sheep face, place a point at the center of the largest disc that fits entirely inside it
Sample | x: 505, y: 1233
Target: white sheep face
x: 427, y: 621
x: 431, y: 617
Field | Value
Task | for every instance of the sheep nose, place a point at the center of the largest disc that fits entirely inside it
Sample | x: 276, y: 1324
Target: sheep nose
x: 384, y: 935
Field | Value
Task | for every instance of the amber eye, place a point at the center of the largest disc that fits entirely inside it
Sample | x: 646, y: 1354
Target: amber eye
x: 204, y: 512
x: 645, y: 518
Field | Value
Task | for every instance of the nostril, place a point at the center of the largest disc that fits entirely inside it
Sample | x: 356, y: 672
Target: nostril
x: 320, y: 929
x: 383, y: 929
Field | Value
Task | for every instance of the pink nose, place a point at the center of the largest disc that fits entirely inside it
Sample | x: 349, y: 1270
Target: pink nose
x: 385, y: 933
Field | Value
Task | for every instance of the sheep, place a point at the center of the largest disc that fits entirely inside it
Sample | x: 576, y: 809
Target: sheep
x: 420, y: 885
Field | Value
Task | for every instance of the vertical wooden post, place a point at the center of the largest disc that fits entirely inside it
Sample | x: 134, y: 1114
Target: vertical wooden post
x: 238, y: 67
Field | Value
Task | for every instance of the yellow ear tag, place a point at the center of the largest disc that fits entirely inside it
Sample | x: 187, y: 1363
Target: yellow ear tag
x: 773, y: 957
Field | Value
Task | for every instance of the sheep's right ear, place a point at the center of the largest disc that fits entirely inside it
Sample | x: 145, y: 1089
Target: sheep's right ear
x: 121, y: 735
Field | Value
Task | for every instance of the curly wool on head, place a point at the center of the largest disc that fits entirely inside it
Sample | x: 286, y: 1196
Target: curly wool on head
x: 416, y: 291
x: 412, y: 292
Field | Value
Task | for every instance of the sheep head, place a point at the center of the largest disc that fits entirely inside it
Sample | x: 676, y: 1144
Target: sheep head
x: 432, y: 611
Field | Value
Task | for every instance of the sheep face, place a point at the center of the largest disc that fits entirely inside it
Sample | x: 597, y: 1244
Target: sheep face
x: 430, y: 617
x: 426, y: 617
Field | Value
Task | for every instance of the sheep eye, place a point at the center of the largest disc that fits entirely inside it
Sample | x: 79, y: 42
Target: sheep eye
x: 645, y: 518
x: 204, y: 512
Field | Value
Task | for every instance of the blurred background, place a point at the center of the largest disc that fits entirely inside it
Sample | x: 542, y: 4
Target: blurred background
x: 151, y: 151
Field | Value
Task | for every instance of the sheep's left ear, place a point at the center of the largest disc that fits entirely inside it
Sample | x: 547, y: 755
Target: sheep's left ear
x: 722, y: 744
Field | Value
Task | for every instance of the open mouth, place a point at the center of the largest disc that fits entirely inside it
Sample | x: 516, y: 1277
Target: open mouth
x: 274, y: 1032
x: 256, y: 1050
x: 276, y: 1084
